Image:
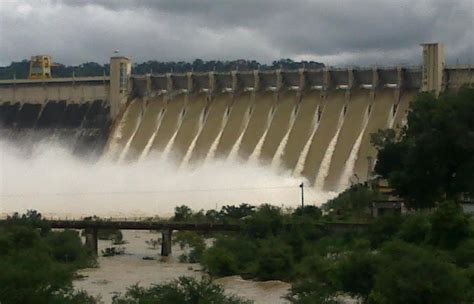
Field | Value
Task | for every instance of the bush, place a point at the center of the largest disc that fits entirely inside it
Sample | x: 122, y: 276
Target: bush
x: 267, y: 221
x: 34, y: 268
x: 410, y: 274
x: 356, y: 274
x: 450, y: 225
x: 182, y: 290
x: 115, y: 235
x: 274, y: 260
x: 66, y: 246
x: 220, y: 262
x: 415, y: 229
x: 464, y: 253
x: 383, y: 229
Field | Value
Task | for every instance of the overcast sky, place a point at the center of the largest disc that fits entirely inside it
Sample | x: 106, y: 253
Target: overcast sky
x: 336, y: 32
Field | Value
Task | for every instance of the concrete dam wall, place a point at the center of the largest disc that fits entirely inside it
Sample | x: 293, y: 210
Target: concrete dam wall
x: 314, y: 124
x: 311, y: 124
x: 74, y: 112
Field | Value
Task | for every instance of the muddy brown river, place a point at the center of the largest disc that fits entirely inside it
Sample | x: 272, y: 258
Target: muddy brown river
x: 116, y: 273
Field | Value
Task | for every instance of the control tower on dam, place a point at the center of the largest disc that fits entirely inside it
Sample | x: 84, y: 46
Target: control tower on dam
x: 310, y: 123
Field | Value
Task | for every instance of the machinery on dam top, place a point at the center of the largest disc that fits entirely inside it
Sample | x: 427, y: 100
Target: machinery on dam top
x: 40, y: 67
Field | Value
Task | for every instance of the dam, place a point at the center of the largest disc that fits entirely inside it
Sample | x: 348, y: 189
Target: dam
x: 314, y: 125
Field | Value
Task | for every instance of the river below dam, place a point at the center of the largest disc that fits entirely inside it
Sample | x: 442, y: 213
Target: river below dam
x: 116, y: 273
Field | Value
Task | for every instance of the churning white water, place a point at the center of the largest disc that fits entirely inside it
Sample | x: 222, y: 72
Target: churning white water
x: 350, y: 162
x: 326, y: 162
x: 54, y: 182
x: 253, y: 158
x: 276, y: 160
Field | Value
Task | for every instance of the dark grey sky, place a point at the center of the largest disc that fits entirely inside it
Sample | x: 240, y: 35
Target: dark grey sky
x: 336, y: 32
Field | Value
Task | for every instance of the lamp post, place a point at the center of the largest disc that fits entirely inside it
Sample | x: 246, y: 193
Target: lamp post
x: 302, y: 194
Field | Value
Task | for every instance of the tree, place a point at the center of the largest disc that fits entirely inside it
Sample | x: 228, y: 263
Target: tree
x: 411, y: 275
x: 433, y: 159
x: 182, y: 213
x: 450, y: 225
x: 356, y: 274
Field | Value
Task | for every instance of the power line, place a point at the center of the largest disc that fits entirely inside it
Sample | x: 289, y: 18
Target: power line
x: 143, y: 192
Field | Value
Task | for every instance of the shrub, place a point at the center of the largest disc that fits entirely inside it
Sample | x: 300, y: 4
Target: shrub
x: 450, y: 225
x: 415, y: 229
x: 182, y: 290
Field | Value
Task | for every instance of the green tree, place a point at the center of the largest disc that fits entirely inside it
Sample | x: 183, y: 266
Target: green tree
x: 434, y: 157
x: 408, y: 274
x: 450, y: 225
x: 356, y: 274
x: 182, y: 213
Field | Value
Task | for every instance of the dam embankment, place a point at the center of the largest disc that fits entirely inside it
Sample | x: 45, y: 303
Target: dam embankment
x: 313, y: 125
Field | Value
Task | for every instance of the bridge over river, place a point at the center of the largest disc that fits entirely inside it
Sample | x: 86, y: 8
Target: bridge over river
x: 91, y: 228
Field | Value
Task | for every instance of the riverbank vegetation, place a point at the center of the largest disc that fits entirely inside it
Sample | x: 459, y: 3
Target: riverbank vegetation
x: 38, y: 265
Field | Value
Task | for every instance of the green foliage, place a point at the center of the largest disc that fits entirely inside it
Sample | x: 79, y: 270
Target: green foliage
x: 384, y: 228
x: 434, y: 157
x: 315, y: 281
x: 352, y: 204
x: 182, y: 290
x: 356, y: 273
x: 464, y: 253
x: 267, y: 221
x: 274, y: 260
x: 220, y: 261
x: 38, y: 268
x: 237, y: 212
x: 450, y: 225
x: 115, y: 235
x: 415, y: 228
x: 182, y: 213
x: 66, y: 246
x: 310, y: 211
x: 409, y: 274
x: 192, y: 240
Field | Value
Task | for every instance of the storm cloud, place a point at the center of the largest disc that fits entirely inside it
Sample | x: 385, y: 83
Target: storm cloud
x: 343, y: 32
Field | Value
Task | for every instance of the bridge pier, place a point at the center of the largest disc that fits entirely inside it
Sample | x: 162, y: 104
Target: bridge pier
x: 91, y: 240
x: 166, y: 242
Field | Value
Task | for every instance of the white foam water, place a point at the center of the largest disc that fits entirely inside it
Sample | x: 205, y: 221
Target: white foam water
x: 351, y: 160
x: 326, y: 162
x: 135, y: 130
x: 253, y: 158
x: 276, y: 160
x: 151, y: 140
x: 304, y: 154
x: 54, y: 182
x: 235, y: 148
x: 212, y: 150
x: 190, y: 150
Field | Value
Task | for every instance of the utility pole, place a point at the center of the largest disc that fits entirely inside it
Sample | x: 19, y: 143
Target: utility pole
x: 302, y: 194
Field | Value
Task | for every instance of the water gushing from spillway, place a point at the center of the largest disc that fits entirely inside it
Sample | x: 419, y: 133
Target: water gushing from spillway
x: 212, y: 150
x: 304, y: 153
x: 348, y: 171
x: 233, y: 155
x: 151, y: 140
x: 326, y: 162
x: 276, y: 160
x: 258, y: 148
x: 55, y: 182
x: 129, y: 141
x: 190, y: 150
x: 169, y: 145
x: 117, y: 135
